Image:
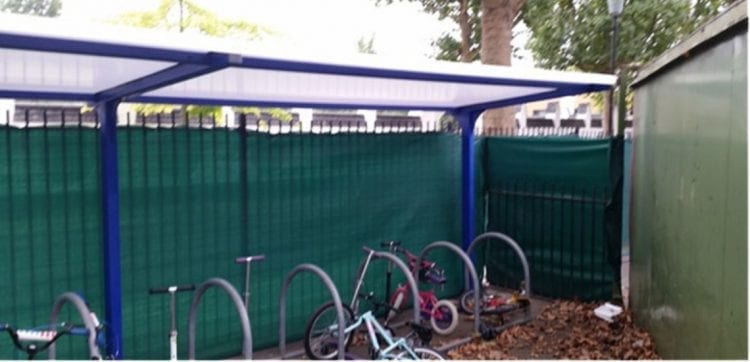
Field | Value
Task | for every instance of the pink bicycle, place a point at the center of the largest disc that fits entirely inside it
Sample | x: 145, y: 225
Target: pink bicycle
x: 442, y: 314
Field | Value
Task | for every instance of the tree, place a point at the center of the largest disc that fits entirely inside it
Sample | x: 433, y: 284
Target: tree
x: 465, y: 13
x: 486, y: 31
x: 568, y: 34
x: 366, y: 46
x: 186, y: 16
x: 47, y: 8
x: 498, y: 18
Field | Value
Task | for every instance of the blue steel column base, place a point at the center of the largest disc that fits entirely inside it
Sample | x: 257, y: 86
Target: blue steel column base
x: 107, y: 113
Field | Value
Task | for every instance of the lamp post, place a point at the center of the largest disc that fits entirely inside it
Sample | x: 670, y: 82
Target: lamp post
x: 615, y: 9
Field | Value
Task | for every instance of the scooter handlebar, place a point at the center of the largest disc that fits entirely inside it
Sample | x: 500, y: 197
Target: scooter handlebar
x: 171, y: 288
x: 249, y: 259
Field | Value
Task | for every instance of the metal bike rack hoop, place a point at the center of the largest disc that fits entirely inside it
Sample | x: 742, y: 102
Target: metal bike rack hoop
x: 468, y: 268
x: 84, y: 312
x: 247, y: 335
x: 513, y: 244
x: 336, y: 302
x: 404, y: 269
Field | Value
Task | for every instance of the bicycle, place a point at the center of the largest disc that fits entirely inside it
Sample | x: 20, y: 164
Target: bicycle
x: 442, y: 314
x: 318, y: 332
x: 392, y: 348
x: 493, y: 303
x: 172, y: 290
x: 26, y: 340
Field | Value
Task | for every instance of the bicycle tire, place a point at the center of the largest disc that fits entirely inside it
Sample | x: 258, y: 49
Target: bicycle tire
x: 450, y: 314
x: 423, y: 353
x: 466, y: 302
x: 308, y: 341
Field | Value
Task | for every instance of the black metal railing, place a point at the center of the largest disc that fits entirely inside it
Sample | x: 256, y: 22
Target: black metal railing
x: 561, y: 228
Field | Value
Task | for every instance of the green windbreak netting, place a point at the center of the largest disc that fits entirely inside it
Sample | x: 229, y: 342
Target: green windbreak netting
x: 311, y: 198
x: 557, y: 198
x: 50, y: 228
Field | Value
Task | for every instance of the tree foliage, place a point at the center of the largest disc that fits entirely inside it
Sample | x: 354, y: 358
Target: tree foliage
x: 465, y: 13
x: 366, y: 46
x: 568, y: 34
x: 167, y: 16
x: 48, y: 8
x: 186, y: 16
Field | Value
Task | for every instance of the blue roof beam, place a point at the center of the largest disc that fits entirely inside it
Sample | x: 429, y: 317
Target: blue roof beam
x: 560, y: 92
x: 174, y: 74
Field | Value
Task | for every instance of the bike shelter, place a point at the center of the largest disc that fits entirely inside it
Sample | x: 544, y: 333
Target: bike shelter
x: 405, y: 270
x: 314, y: 269
x: 84, y: 312
x: 469, y: 268
x: 184, y: 69
x: 493, y: 235
x: 247, y: 335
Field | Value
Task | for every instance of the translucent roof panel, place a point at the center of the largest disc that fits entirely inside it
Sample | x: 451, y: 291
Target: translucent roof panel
x: 54, y: 59
x: 270, y: 86
x: 23, y: 70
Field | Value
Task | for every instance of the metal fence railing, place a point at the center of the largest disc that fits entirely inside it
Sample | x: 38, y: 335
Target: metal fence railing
x: 562, y: 231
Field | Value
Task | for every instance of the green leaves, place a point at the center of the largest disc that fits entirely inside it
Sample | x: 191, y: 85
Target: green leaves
x: 48, y: 8
x: 194, y: 18
x: 568, y: 34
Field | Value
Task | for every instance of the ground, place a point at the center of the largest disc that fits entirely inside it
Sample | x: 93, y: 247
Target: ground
x: 564, y: 330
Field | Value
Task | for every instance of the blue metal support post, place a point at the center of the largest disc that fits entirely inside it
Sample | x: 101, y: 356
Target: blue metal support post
x: 107, y: 113
x: 467, y: 120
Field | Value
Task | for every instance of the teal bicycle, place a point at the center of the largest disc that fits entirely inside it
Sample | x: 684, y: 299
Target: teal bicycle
x: 383, y: 345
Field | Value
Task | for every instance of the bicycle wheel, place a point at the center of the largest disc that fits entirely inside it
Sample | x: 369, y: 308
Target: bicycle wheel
x: 444, y: 317
x: 466, y: 302
x: 321, y: 332
x: 422, y: 353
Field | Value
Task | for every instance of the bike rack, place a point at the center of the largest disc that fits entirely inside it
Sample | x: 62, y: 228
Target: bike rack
x: 336, y: 303
x: 468, y: 268
x: 84, y: 312
x: 493, y: 235
x: 405, y: 269
x: 247, y: 340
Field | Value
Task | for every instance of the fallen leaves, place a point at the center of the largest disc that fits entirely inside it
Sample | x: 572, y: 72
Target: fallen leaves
x: 565, y: 330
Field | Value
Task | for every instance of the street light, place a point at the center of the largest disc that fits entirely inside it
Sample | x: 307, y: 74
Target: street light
x: 615, y: 9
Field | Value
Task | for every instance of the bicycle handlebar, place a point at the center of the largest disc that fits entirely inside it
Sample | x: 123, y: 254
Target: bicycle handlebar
x: 47, y: 336
x: 249, y: 259
x: 388, y: 244
x: 171, y: 289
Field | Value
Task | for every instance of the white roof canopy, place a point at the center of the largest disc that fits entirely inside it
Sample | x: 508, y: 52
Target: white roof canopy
x: 51, y: 59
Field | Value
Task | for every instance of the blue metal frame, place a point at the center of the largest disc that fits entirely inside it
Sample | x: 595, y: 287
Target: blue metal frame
x: 467, y: 120
x: 570, y: 90
x: 168, y: 76
x: 107, y: 113
x: 84, y: 47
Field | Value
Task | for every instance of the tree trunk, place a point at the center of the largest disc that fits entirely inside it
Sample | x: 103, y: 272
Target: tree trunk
x: 463, y: 24
x: 497, y: 33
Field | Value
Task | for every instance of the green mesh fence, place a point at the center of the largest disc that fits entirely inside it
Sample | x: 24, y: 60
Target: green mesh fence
x: 311, y: 198
x: 559, y: 198
x: 50, y: 228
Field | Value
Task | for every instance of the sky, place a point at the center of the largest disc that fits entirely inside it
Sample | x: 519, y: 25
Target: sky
x: 401, y: 29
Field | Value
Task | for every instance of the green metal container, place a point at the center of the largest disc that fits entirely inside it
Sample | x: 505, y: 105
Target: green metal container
x: 689, y: 197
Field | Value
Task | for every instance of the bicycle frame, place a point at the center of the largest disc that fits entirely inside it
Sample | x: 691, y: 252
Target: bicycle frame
x: 374, y: 328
